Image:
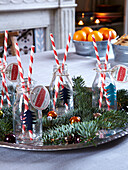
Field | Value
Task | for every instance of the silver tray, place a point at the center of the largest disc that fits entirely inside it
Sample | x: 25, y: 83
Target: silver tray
x: 26, y: 147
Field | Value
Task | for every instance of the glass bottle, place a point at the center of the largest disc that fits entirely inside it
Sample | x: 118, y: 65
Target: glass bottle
x: 109, y: 92
x: 64, y: 101
x: 27, y: 125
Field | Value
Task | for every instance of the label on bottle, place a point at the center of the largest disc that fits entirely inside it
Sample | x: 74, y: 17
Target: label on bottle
x: 40, y: 97
x: 120, y: 73
x: 12, y: 72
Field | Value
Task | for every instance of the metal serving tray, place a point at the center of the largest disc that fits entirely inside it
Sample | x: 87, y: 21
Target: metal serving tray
x: 119, y: 134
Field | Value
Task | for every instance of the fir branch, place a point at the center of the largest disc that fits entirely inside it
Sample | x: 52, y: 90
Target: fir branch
x: 6, y: 122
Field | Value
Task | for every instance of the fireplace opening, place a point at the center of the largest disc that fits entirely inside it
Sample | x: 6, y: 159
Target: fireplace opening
x: 100, y: 13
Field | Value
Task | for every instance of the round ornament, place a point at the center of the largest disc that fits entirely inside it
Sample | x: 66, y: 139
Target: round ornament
x: 52, y: 114
x: 74, y: 119
x: 1, y: 114
x: 12, y: 72
x: 96, y: 115
x: 40, y: 97
x: 120, y: 73
x: 10, y: 138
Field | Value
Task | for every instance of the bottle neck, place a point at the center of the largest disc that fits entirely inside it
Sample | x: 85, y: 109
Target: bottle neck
x: 26, y: 86
x: 103, y: 67
x: 2, y: 67
x: 60, y: 70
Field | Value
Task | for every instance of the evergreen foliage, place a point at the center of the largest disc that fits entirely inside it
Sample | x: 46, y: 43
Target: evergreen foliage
x: 60, y: 131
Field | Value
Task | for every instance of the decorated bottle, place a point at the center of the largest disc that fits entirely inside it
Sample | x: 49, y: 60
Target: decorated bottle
x: 27, y: 123
x: 61, y: 91
x: 108, y: 100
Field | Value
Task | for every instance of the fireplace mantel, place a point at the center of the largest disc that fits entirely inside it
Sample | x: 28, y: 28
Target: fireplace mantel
x: 57, y: 16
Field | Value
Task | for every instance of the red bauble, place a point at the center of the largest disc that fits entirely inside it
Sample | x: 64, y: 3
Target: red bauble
x: 74, y: 119
x: 10, y: 138
x: 52, y: 114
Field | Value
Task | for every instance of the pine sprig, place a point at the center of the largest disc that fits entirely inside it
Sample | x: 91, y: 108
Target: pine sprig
x: 86, y: 130
x: 60, y: 131
x: 82, y: 95
x: 6, y: 122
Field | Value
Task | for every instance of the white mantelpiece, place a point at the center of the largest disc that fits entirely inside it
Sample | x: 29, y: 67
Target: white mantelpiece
x: 57, y: 16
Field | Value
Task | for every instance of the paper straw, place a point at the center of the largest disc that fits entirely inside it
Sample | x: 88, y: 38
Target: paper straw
x: 66, y: 50
x: 5, y: 46
x: 30, y: 66
x: 64, y: 60
x: 4, y: 84
x: 2, y: 98
x: 57, y: 85
x: 63, y: 63
x: 105, y: 66
x: 29, y: 80
x: 58, y: 64
x: 99, y: 65
x: 108, y: 48
x: 56, y: 57
x: 31, y: 134
x: 26, y: 100
x: 102, y: 75
x: 3, y: 74
x: 96, y: 51
x: 25, y: 96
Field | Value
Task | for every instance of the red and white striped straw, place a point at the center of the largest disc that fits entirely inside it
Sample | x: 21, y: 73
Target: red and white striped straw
x: 1, y: 65
x: 64, y: 60
x: 5, y: 46
x: 108, y: 48
x: 30, y: 65
x: 4, y: 84
x: 105, y: 66
x: 96, y: 51
x: 2, y: 98
x: 66, y: 50
x: 102, y: 75
x: 99, y: 65
x: 57, y: 85
x: 3, y: 74
x: 60, y: 71
x: 54, y: 50
x: 26, y: 100
x: 58, y: 64
x: 29, y: 80
x: 30, y: 134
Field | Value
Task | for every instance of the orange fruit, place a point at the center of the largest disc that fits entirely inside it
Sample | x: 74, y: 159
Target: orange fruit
x: 79, y: 36
x: 106, y: 34
x: 98, y: 36
x: 101, y: 30
x: 87, y: 30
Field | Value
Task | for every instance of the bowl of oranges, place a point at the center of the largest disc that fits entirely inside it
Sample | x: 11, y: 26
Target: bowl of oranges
x: 82, y: 40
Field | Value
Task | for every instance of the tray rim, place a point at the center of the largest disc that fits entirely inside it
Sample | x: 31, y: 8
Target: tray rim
x: 50, y: 148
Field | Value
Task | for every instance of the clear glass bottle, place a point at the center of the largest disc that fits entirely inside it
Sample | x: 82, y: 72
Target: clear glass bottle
x: 110, y: 89
x: 64, y: 101
x: 27, y: 126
